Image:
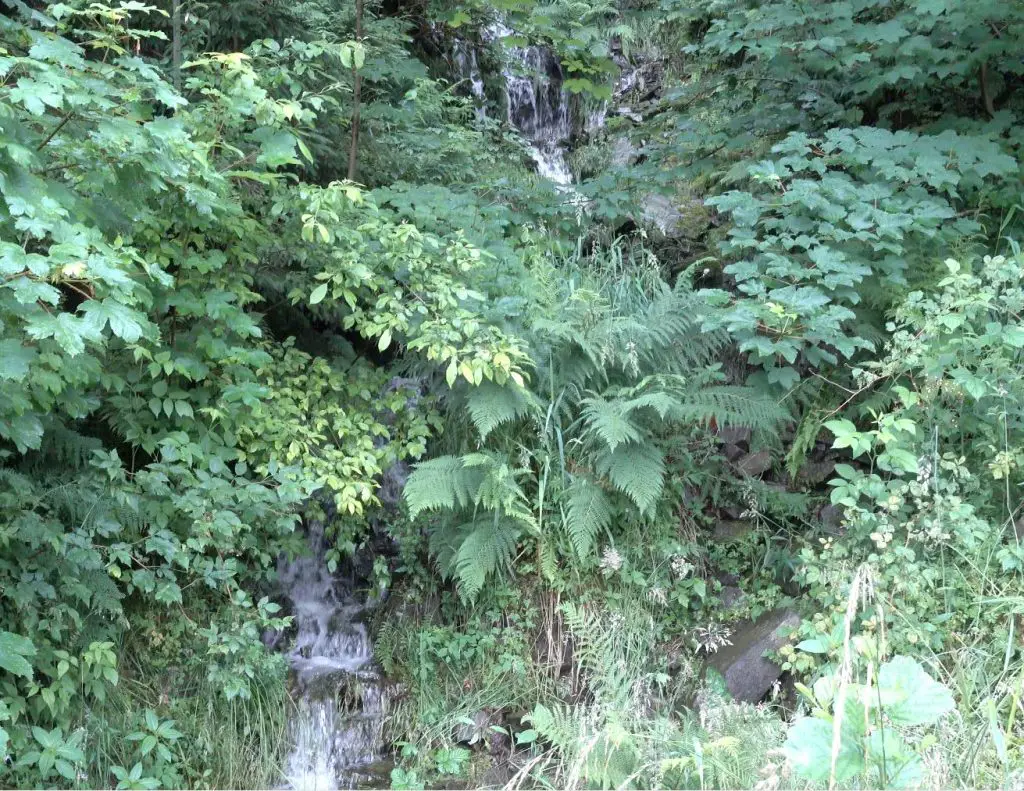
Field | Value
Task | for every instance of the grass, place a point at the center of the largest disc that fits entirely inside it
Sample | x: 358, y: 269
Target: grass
x: 238, y: 743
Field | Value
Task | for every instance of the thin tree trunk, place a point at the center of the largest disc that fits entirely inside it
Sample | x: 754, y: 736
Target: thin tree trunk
x: 357, y: 85
x: 986, y: 97
x: 176, y: 43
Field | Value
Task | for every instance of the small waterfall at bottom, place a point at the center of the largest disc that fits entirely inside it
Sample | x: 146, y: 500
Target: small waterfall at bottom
x: 342, y: 700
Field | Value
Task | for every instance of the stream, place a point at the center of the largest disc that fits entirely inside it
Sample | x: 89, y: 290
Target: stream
x: 342, y: 699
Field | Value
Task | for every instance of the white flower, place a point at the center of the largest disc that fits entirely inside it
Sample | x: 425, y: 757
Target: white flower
x: 712, y: 637
x: 657, y: 595
x: 681, y: 567
x: 611, y: 560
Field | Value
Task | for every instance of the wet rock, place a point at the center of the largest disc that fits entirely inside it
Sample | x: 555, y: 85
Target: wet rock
x: 755, y: 464
x: 748, y: 674
x: 727, y: 531
x: 674, y: 218
x: 393, y: 484
x: 661, y: 212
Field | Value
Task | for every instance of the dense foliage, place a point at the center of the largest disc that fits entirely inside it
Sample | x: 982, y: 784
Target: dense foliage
x: 257, y: 258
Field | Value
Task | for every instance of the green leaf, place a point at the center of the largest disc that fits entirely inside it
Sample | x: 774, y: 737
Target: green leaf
x: 66, y: 770
x: 909, y: 696
x: 815, y: 646
x: 808, y: 748
x: 840, y: 428
x: 277, y: 147
x: 15, y: 360
x: 124, y: 322
x: 148, y: 744
x: 318, y: 294
x: 25, y: 431
x: 13, y: 650
x: 384, y: 341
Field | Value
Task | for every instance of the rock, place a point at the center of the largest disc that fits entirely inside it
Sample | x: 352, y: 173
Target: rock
x: 475, y: 732
x: 732, y: 452
x: 734, y: 436
x: 734, y: 511
x: 661, y: 212
x: 748, y: 674
x: 674, y: 218
x: 630, y: 113
x: 754, y: 464
x: 727, y: 531
x: 392, y: 484
x: 815, y: 472
x: 831, y: 518
x: 624, y: 153
x: 732, y: 597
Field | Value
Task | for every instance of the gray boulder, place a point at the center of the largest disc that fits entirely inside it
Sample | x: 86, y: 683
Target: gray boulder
x: 748, y: 673
x: 755, y: 464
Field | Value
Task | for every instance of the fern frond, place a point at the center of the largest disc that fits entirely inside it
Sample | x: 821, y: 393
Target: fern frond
x: 547, y: 558
x: 731, y: 405
x: 587, y: 513
x: 487, y: 547
x: 636, y: 470
x: 444, y: 482
x: 609, y: 421
x: 490, y: 405
x: 499, y: 490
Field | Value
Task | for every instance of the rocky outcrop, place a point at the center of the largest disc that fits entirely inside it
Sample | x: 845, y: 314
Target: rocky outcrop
x: 748, y: 673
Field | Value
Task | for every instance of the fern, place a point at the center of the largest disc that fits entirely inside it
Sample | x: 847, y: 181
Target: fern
x: 491, y: 405
x: 732, y: 405
x: 587, y: 513
x: 470, y: 552
x: 609, y: 421
x: 444, y: 482
x: 636, y: 470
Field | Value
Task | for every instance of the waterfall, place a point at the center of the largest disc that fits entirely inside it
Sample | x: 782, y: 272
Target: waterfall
x: 465, y: 56
x: 536, y: 101
x: 538, y: 105
x: 337, y: 728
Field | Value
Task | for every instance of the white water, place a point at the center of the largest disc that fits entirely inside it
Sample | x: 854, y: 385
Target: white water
x: 536, y: 102
x: 337, y: 730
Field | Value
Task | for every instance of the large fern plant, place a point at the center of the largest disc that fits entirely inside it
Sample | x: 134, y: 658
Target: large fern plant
x: 622, y: 370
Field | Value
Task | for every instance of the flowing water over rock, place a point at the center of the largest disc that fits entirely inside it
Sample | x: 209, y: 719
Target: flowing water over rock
x: 538, y: 105
x: 342, y: 701
x: 536, y: 101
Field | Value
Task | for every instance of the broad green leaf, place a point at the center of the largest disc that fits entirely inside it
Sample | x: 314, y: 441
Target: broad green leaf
x: 15, y: 360
x: 13, y: 650
x: 318, y: 294
x: 808, y: 748
x: 909, y: 696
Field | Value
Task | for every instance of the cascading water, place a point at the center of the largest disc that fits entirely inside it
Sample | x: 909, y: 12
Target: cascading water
x: 535, y: 98
x: 538, y: 105
x: 337, y: 729
x: 466, y: 61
